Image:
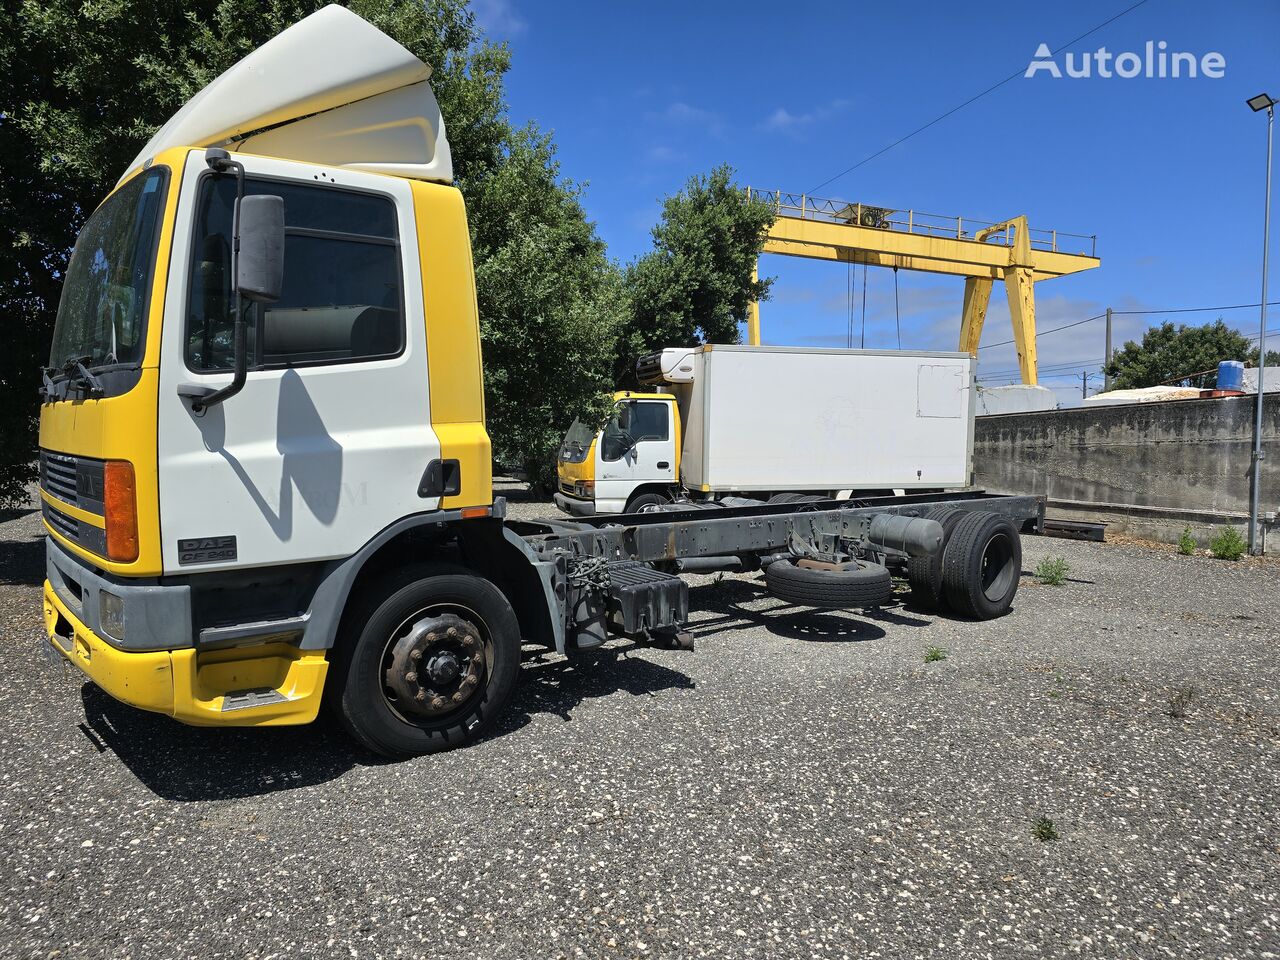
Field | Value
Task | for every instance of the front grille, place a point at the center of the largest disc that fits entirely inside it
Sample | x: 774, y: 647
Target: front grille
x: 77, y: 531
x: 69, y: 527
x: 73, y: 480
x: 58, y: 476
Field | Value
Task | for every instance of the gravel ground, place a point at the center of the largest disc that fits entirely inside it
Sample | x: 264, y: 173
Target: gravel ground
x: 805, y: 785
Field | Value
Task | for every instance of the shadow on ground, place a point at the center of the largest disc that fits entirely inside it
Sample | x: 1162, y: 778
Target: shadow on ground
x: 178, y: 762
x: 22, y: 560
x: 726, y: 603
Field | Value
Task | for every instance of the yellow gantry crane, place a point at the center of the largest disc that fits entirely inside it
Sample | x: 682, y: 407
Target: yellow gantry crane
x: 980, y: 251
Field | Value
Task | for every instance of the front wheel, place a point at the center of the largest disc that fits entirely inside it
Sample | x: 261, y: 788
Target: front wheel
x: 644, y: 502
x: 426, y: 662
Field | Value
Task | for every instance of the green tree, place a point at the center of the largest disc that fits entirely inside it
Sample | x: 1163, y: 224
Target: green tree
x: 87, y: 83
x: 1178, y: 354
x: 548, y: 301
x: 696, y: 285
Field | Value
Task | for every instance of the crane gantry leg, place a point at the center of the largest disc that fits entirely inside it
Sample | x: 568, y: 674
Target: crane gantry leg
x: 1022, y: 311
x: 977, y: 294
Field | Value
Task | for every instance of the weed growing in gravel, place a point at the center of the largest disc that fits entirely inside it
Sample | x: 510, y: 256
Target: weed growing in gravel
x: 1180, y: 702
x: 1042, y: 829
x: 1052, y: 571
x: 1186, y: 543
x: 934, y: 654
x: 1227, y: 544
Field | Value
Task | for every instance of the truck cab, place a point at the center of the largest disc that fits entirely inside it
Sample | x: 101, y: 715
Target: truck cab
x: 631, y: 462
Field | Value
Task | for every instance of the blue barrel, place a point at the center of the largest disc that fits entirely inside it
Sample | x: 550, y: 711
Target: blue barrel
x: 1231, y: 375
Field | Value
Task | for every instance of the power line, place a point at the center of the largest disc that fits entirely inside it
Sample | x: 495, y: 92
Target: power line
x: 1236, y: 306
x: 1134, y: 313
x: 1045, y: 333
x: 1013, y: 76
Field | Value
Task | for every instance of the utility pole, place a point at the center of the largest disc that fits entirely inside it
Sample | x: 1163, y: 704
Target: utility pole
x: 1260, y: 102
x: 1106, y: 370
x: 1084, y: 384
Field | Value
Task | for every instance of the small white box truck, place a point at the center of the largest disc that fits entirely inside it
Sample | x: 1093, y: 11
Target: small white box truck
x: 775, y: 421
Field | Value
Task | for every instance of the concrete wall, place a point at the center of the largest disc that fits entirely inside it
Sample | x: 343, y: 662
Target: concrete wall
x: 1149, y: 469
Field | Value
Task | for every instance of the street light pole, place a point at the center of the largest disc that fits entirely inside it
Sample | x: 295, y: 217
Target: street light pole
x: 1261, y: 102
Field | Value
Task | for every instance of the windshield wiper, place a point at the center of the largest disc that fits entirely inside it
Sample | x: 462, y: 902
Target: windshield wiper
x: 78, y: 373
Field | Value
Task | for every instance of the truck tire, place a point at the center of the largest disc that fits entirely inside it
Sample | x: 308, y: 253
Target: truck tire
x: 925, y: 573
x: 981, y: 565
x: 448, y: 625
x: 650, y: 498
x: 855, y: 585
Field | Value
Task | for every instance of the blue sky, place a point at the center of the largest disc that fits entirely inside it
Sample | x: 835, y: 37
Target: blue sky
x: 1168, y: 173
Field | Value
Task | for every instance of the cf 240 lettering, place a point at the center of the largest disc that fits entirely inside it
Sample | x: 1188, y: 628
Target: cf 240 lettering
x: 206, y: 550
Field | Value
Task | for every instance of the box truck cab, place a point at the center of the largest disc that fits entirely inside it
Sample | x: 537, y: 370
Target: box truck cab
x: 629, y: 463
x: 780, y: 422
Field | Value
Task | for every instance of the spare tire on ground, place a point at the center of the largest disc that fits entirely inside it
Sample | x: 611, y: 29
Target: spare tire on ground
x: 853, y: 584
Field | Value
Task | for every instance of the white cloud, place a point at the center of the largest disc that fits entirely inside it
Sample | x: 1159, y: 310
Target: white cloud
x: 783, y: 120
x: 499, y: 18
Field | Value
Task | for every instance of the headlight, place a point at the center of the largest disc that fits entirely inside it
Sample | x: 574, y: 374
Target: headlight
x: 111, y: 615
x: 585, y: 488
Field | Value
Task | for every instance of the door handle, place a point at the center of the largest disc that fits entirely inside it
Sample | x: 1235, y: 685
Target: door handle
x: 663, y: 465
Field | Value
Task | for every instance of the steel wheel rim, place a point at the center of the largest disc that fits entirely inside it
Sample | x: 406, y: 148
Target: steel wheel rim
x: 414, y: 621
x: 996, y: 571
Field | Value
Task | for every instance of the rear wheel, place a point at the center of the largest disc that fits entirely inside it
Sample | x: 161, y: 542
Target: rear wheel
x: 427, y: 662
x: 981, y: 565
x: 925, y: 573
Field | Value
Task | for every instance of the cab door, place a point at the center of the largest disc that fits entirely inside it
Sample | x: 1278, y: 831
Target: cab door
x: 637, y: 447
x: 328, y: 440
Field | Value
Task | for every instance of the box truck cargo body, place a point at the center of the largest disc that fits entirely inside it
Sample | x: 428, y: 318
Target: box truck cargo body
x: 777, y: 420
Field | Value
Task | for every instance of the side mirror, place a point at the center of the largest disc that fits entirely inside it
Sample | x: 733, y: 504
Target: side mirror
x: 260, y: 262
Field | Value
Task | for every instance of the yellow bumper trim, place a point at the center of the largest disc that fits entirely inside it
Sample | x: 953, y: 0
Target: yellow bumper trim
x: 192, y: 687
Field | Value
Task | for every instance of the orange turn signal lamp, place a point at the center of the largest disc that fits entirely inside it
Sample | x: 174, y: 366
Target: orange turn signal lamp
x: 120, y: 509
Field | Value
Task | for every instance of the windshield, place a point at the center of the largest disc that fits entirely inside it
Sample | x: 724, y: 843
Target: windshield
x: 103, y: 313
x: 577, y: 443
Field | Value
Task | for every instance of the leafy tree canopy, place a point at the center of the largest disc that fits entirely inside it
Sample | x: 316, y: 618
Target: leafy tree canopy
x: 1179, y: 355
x: 698, y: 282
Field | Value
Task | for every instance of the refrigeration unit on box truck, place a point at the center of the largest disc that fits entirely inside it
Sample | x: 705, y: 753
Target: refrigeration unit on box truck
x: 729, y: 420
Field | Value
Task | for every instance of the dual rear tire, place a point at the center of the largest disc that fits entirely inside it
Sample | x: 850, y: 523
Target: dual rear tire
x: 976, y: 572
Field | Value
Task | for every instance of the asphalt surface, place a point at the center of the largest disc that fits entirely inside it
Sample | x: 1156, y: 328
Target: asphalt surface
x: 803, y: 785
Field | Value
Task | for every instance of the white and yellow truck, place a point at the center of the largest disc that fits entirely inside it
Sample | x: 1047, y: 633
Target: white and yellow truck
x: 777, y: 423
x: 264, y: 468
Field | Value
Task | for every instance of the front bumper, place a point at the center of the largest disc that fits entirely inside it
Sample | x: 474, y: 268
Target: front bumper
x: 575, y: 507
x: 263, y: 685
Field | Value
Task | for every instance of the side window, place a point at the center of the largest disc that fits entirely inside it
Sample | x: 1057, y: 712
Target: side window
x: 341, y: 300
x: 650, y: 420
x: 635, y: 422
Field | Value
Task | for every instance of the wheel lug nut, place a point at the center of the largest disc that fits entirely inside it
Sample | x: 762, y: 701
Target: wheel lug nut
x: 412, y: 676
x: 420, y: 695
x: 469, y: 642
x: 415, y: 655
x: 438, y: 703
x: 457, y: 697
x: 452, y: 631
